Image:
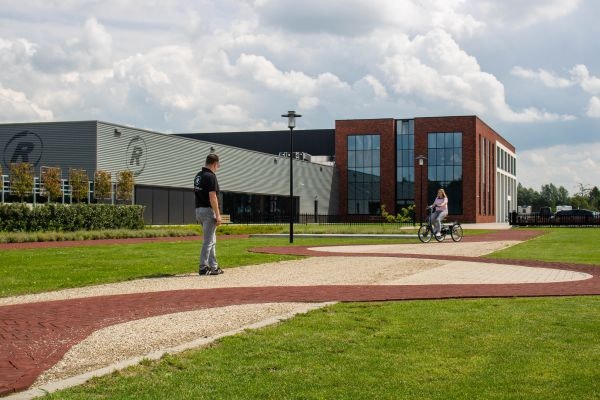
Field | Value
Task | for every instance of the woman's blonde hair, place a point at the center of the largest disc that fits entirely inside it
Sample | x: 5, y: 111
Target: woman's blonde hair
x: 443, y: 192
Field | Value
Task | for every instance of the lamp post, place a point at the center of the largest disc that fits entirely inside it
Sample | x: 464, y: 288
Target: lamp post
x: 421, y: 160
x: 291, y: 116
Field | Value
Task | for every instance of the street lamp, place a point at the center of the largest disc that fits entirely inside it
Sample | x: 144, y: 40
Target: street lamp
x: 291, y: 116
x: 421, y: 160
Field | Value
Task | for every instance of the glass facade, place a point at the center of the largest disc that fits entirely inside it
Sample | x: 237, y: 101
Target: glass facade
x: 364, y: 171
x: 444, y: 168
x: 405, y: 163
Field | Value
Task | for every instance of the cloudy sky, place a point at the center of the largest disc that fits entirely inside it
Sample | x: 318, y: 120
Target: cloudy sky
x: 530, y: 69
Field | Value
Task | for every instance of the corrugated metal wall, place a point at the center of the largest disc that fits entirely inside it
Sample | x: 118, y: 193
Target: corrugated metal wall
x: 63, y: 144
x: 172, y: 161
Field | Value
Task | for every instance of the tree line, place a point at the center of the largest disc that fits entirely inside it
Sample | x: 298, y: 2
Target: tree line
x: 551, y: 196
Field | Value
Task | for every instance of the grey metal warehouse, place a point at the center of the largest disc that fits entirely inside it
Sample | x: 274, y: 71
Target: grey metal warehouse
x: 254, y: 185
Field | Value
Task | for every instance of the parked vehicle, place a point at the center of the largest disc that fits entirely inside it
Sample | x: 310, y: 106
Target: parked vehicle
x: 575, y: 217
x: 545, y: 212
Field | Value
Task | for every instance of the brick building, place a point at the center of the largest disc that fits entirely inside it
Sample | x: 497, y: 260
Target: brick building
x: 354, y: 169
x: 377, y: 161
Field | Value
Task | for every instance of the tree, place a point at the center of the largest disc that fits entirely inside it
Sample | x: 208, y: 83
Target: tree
x: 51, y: 178
x: 563, y: 196
x: 102, y: 184
x: 595, y: 198
x: 21, y: 179
x: 79, y: 182
x: 578, y: 201
x: 529, y: 197
x: 125, y: 185
x: 523, y: 197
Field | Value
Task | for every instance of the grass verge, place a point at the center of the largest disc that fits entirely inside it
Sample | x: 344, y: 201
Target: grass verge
x: 576, y: 245
x: 454, y: 349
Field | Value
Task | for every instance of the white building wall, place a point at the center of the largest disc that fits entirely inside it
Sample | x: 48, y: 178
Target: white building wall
x: 506, y: 182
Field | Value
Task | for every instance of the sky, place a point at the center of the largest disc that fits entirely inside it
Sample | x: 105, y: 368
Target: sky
x: 529, y: 69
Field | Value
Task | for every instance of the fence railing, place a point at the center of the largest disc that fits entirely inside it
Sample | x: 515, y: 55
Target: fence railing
x: 38, y: 192
x: 320, y: 219
x: 560, y: 220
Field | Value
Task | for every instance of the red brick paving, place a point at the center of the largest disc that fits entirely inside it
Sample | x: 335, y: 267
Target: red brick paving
x: 34, y: 336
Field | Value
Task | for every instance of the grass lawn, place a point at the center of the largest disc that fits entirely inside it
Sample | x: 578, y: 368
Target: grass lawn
x: 577, y: 245
x: 545, y: 348
x: 453, y: 349
x: 41, y: 270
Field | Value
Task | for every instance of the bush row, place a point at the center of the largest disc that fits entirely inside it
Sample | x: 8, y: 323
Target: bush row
x: 20, y: 217
x: 23, y: 237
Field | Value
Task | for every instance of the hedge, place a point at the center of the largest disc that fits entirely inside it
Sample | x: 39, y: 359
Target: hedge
x: 20, y: 217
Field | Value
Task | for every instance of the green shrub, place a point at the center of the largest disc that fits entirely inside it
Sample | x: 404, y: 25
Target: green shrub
x: 20, y: 217
x: 405, y: 214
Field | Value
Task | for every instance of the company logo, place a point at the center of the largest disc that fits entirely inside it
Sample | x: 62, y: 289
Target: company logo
x: 136, y: 155
x: 24, y: 147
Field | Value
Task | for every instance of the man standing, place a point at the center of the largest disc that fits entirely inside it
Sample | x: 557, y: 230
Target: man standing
x: 206, y: 191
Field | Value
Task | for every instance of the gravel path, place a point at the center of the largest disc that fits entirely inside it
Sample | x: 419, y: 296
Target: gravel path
x: 141, y: 337
x: 306, y: 272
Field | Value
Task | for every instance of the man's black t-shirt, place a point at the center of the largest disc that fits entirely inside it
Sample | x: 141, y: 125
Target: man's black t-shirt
x: 204, y: 183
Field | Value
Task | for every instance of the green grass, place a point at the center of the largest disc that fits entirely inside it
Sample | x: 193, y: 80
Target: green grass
x: 41, y: 270
x: 577, y: 245
x: 546, y: 348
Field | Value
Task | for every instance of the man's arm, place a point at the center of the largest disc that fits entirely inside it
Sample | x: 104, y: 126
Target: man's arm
x: 214, y: 203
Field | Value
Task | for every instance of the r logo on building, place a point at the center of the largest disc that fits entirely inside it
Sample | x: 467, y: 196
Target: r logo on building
x: 136, y: 155
x: 24, y: 147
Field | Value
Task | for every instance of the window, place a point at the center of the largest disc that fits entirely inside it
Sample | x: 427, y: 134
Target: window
x: 405, y: 163
x: 444, y: 168
x: 364, y: 174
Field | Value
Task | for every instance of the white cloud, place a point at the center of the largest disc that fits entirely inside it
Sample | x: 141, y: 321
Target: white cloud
x: 581, y: 75
x: 262, y: 70
x: 378, y: 89
x: 307, y: 103
x: 549, y: 79
x: 434, y: 66
x: 353, y: 18
x: 16, y: 107
x: 593, y: 110
x: 521, y: 14
x: 91, y: 48
x: 563, y: 165
x: 174, y: 68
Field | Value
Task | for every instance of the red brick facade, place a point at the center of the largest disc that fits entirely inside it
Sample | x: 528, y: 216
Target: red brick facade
x: 478, y: 179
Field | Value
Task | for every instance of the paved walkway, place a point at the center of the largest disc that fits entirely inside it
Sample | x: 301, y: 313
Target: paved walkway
x: 34, y: 336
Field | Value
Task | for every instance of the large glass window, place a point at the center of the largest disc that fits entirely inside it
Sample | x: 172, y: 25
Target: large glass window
x: 364, y: 171
x: 405, y: 163
x: 444, y: 168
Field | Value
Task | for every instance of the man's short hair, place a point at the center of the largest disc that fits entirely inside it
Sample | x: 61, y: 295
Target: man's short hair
x: 212, y: 159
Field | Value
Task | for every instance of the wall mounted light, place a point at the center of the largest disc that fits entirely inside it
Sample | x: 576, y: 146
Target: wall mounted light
x: 117, y: 132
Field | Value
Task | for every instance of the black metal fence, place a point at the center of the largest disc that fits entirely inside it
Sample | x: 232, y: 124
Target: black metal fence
x: 320, y: 219
x: 535, y: 219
